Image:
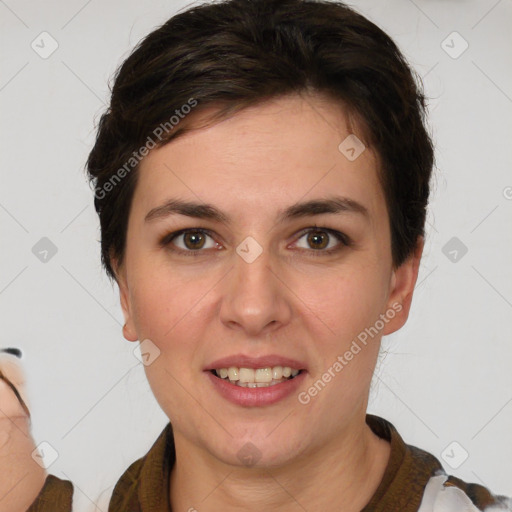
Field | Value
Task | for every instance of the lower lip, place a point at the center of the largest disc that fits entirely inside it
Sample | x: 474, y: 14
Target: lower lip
x: 256, y: 397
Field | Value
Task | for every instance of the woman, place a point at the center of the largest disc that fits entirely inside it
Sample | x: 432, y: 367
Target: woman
x: 262, y: 178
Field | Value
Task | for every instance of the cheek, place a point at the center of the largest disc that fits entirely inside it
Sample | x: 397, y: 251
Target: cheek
x: 166, y: 311
x: 344, y: 308
x: 343, y: 302
x: 173, y: 312
x: 163, y: 300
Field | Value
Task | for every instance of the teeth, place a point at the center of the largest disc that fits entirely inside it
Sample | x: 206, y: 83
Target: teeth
x: 257, y: 384
x: 256, y: 377
x: 277, y: 372
x: 263, y: 375
x: 246, y: 374
x: 233, y: 373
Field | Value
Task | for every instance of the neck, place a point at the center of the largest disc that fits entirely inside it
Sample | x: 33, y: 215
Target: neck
x: 341, y: 476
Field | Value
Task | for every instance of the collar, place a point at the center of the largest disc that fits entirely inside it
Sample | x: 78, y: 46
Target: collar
x: 407, y: 472
x: 144, y: 486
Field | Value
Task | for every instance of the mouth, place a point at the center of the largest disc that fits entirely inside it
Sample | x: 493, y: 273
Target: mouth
x: 264, y: 377
x: 256, y: 381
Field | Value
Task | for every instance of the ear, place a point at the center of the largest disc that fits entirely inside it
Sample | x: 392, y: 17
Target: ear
x: 129, y: 331
x: 403, y: 281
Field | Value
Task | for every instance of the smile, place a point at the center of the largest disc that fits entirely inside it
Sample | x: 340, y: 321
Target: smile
x: 256, y: 377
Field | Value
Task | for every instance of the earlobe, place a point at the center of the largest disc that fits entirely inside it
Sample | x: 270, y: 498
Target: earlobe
x: 403, y: 281
x: 129, y: 331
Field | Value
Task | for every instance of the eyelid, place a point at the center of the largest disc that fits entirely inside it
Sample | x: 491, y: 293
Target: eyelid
x: 344, y: 240
x: 166, y: 240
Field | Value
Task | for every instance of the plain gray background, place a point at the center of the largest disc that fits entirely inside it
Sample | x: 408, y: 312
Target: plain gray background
x: 446, y: 377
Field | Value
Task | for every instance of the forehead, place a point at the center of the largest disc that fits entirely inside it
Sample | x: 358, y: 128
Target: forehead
x: 263, y: 159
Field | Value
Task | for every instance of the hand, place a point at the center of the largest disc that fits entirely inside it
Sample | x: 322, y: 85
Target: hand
x: 21, y: 478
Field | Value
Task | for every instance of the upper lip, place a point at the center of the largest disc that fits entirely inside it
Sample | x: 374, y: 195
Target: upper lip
x: 245, y: 361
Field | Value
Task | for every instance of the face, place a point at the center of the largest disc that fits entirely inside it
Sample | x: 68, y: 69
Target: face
x: 286, y: 267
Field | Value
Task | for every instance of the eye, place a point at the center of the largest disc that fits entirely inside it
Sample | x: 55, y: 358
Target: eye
x: 324, y: 240
x: 189, y: 241
x: 319, y: 241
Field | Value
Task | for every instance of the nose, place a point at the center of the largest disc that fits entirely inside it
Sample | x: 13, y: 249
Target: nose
x: 256, y: 299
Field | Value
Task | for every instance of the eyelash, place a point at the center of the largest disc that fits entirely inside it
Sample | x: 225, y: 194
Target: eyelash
x: 341, y: 237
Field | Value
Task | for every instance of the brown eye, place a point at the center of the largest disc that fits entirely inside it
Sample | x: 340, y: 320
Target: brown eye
x: 323, y: 241
x: 318, y: 239
x: 194, y: 240
x: 190, y: 242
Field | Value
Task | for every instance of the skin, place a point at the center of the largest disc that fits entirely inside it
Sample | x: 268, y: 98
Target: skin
x: 21, y: 478
x: 288, y: 301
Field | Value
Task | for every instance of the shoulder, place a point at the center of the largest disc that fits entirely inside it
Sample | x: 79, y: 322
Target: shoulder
x: 125, y: 493
x: 56, y: 495
x: 415, y: 481
x: 145, y: 483
x: 446, y: 493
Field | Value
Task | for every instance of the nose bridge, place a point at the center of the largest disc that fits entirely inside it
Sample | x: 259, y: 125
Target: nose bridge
x: 254, y: 299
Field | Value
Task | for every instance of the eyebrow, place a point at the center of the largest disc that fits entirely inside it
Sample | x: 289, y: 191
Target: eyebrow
x: 333, y: 205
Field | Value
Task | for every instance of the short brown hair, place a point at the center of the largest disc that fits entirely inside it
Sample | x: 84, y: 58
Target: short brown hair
x: 237, y: 53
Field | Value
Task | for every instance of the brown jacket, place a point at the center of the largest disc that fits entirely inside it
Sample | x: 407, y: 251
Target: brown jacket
x: 144, y: 486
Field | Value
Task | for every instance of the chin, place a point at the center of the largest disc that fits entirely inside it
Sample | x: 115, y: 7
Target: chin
x: 259, y: 450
